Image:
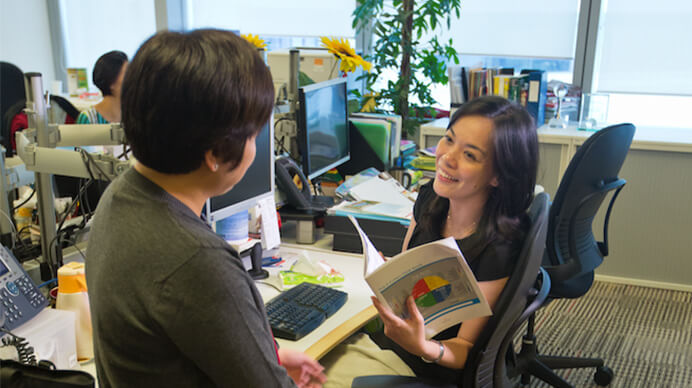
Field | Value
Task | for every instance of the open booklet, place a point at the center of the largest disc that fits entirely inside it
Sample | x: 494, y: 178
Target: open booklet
x: 436, y: 274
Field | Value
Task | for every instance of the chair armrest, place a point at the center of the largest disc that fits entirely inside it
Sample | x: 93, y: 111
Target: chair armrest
x: 540, y: 297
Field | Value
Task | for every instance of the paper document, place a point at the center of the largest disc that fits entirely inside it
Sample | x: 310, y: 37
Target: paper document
x: 270, y: 224
x: 379, y: 210
x: 435, y: 274
x: 382, y: 188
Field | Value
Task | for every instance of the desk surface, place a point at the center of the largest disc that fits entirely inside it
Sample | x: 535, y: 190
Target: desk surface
x: 357, y: 311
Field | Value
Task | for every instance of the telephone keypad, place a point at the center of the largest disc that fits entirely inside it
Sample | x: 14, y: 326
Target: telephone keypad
x: 20, y: 299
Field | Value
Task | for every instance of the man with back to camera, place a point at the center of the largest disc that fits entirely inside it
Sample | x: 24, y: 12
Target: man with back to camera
x: 171, y: 302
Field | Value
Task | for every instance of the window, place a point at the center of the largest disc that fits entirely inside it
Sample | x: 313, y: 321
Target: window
x: 282, y: 24
x: 643, y: 61
x: 531, y: 34
x: 92, y: 28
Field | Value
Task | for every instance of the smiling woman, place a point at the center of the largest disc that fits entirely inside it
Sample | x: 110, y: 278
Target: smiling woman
x: 486, y: 170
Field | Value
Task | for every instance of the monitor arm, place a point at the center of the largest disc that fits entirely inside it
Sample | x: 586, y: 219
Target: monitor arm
x: 68, y: 162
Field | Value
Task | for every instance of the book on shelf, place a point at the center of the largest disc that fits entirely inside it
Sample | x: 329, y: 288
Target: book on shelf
x: 435, y: 274
x: 430, y: 151
x: 424, y: 162
x: 537, y: 89
x: 528, y: 88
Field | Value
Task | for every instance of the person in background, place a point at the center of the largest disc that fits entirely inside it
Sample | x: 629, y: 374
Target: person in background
x: 485, y: 176
x: 108, y: 75
x: 171, y: 302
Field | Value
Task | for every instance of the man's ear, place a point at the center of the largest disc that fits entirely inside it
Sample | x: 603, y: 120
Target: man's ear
x: 210, y: 161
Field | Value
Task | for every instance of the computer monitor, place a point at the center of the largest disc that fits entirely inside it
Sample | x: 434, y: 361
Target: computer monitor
x: 323, y: 136
x: 257, y: 184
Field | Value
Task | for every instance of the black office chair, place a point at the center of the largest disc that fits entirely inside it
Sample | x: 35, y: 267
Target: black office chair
x: 490, y: 362
x: 62, y: 111
x: 12, y: 100
x: 572, y: 252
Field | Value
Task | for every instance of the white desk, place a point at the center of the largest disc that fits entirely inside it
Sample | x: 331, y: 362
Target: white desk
x: 357, y: 311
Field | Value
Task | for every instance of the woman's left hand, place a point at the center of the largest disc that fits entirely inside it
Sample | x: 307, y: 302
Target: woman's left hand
x: 409, y: 333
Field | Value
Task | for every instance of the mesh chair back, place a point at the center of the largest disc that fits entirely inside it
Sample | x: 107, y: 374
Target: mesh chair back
x: 485, y: 366
x: 572, y: 251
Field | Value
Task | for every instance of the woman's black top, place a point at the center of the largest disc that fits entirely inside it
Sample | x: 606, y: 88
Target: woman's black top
x: 488, y: 260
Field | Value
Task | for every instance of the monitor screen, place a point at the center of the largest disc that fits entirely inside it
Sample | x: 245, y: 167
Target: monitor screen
x: 258, y: 182
x: 323, y: 126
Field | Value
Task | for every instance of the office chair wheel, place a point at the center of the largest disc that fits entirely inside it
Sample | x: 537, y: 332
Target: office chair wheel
x: 603, y: 376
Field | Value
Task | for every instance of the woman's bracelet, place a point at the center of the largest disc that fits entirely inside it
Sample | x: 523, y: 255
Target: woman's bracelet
x: 439, y: 356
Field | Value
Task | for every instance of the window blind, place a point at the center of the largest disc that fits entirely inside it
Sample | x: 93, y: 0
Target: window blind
x: 529, y: 28
x: 276, y: 17
x: 644, y: 47
x: 93, y: 28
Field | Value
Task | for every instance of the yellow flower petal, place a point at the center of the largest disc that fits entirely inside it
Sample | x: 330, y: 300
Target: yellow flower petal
x: 254, y: 40
x: 342, y: 50
x: 370, y: 102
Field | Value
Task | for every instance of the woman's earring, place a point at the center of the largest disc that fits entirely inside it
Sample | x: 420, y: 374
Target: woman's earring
x: 216, y: 167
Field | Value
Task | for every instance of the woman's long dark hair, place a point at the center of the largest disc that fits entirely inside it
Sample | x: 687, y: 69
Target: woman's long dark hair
x: 515, y: 163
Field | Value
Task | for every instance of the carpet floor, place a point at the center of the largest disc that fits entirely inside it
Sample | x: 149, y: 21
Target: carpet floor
x: 643, y: 334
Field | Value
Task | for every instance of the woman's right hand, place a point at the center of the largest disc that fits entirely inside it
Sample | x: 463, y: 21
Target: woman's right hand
x: 409, y: 333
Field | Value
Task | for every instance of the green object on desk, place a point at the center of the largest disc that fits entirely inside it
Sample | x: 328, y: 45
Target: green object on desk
x: 377, y: 136
x: 424, y: 163
x: 292, y: 278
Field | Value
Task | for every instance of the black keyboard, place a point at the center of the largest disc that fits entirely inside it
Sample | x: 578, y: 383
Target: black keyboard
x: 300, y: 310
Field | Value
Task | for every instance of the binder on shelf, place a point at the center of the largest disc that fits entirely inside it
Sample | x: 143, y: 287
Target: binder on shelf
x: 394, y: 134
x: 377, y: 133
x: 362, y: 155
x: 538, y: 86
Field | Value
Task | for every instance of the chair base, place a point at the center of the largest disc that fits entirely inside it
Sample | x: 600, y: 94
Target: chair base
x: 530, y: 363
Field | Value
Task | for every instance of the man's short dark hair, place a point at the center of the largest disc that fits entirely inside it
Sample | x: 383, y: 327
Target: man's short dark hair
x: 107, y: 69
x: 187, y: 93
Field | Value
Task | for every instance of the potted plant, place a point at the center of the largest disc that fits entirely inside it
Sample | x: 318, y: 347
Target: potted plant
x: 398, y: 27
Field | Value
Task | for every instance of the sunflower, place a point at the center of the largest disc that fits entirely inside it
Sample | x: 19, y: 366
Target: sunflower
x: 255, y: 40
x: 342, y: 50
x: 370, y: 102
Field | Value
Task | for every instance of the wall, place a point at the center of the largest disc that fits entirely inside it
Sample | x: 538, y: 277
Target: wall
x: 25, y: 37
x: 649, y: 231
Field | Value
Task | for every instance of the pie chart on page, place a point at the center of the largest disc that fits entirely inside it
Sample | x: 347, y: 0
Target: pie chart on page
x: 431, y: 290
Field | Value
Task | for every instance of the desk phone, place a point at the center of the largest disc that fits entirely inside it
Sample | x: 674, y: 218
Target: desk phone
x: 20, y: 299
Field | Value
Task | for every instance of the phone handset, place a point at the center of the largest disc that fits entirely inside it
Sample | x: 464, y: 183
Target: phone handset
x: 300, y: 198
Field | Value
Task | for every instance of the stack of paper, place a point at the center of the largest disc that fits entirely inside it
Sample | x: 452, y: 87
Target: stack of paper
x: 374, y: 210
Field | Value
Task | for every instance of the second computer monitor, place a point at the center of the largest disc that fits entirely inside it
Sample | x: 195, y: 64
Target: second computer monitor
x: 323, y: 126
x: 257, y: 183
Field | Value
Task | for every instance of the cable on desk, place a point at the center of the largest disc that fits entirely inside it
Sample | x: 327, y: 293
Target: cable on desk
x: 48, y: 282
x: 25, y: 352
